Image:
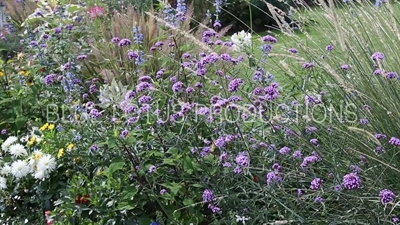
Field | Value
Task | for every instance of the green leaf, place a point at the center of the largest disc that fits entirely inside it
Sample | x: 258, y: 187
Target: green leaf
x: 174, y: 188
x: 129, y: 192
x: 188, y: 202
x: 197, y: 185
x: 144, y: 220
x: 20, y: 122
x: 116, y: 165
x: 72, y: 8
x: 187, y: 165
x: 170, y: 162
x: 124, y: 205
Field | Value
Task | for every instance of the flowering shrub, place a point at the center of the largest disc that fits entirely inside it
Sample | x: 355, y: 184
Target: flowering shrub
x: 198, y: 130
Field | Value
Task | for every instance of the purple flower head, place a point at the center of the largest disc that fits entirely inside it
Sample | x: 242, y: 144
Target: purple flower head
x: 115, y: 40
x: 208, y: 195
x: 378, y: 56
x: 132, y: 55
x: 337, y: 188
x: 345, y: 67
x: 314, y: 141
x: 394, y: 141
x: 355, y: 169
x: 163, y: 191
x: 124, y: 133
x: 124, y: 42
x: 276, y: 167
x: 310, y: 130
x: 81, y: 57
x: 152, y: 169
x: 316, y: 183
x: 57, y: 30
x: 49, y: 79
x: 386, y: 196
x: 143, y: 86
x: 235, y: 84
x: 243, y: 159
x: 351, y: 181
x: 293, y: 50
x: 297, y: 154
x: 364, y: 121
x: 379, y: 136
x: 273, y: 177
x: 308, y: 160
x: 94, y: 148
x: 308, y: 65
x: 391, y: 75
x: 319, y: 199
x: 299, y: 192
x: 269, y: 38
x: 378, y: 72
x: 284, y: 150
x: 4, y: 131
x: 329, y: 48
x: 223, y: 157
x: 130, y: 95
x: 379, y: 150
x: 177, y: 87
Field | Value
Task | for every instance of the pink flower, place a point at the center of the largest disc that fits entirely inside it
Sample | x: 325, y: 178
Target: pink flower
x: 96, y: 11
x: 47, y: 213
x: 49, y: 222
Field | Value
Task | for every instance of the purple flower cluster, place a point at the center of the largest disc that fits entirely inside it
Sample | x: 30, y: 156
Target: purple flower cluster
x: 309, y: 160
x: 378, y: 56
x: 394, y: 141
x: 386, y: 196
x: 351, y: 181
x: 243, y: 159
x: 316, y: 184
x: 208, y: 195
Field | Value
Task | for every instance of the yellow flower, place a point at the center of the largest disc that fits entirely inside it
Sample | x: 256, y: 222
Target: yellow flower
x: 24, y: 72
x: 30, y: 83
x: 32, y: 140
x: 20, y: 56
x: 51, y: 126
x: 1, y: 74
x: 60, y: 153
x: 70, y: 146
x: 44, y: 127
x: 37, y: 156
x: 99, y: 172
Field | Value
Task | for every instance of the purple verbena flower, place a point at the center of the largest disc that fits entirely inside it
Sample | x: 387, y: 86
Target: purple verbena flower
x: 351, y: 181
x: 386, y: 196
x: 316, y: 183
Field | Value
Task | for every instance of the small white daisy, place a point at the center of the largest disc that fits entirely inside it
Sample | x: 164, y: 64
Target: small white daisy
x: 17, y: 150
x: 46, y: 164
x: 19, y: 169
x: 3, y: 183
x: 6, y: 169
x: 7, y: 143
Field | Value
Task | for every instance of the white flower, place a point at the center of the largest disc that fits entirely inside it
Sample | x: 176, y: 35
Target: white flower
x: 242, y: 219
x: 240, y: 40
x: 46, y: 164
x: 19, y: 169
x: 7, y: 143
x: 3, y: 183
x: 39, y: 175
x: 24, y: 139
x: 6, y: 169
x: 17, y: 150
